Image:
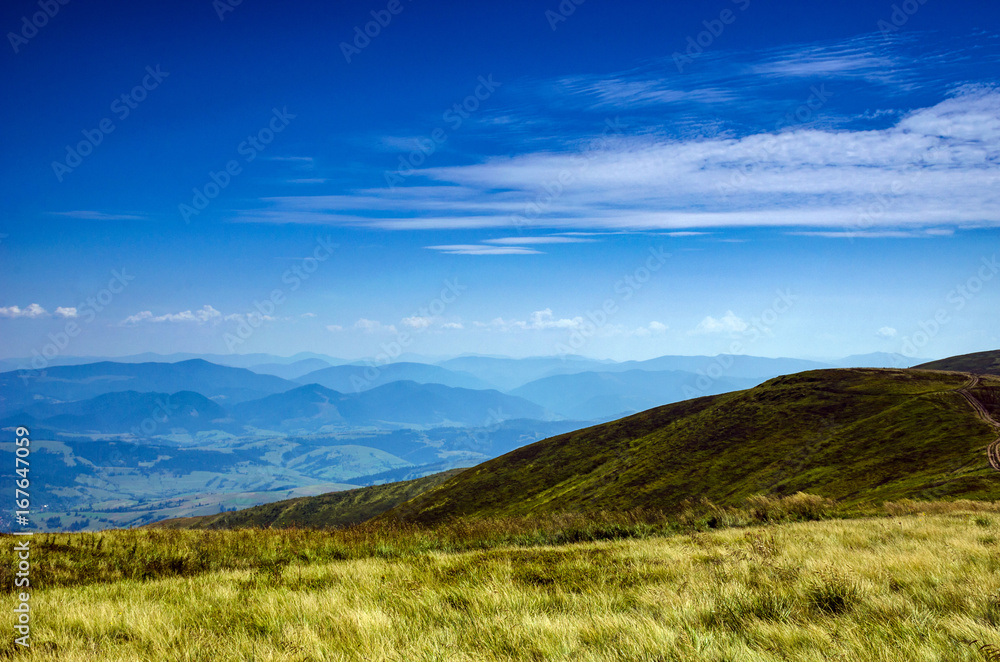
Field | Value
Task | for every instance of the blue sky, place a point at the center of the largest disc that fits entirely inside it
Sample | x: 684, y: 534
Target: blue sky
x: 620, y: 180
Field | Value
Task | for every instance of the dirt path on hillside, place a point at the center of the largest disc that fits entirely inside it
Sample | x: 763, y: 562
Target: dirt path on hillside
x: 993, y: 450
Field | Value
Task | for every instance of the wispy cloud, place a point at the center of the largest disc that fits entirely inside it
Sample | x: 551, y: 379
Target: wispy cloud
x: 90, y: 215
x: 538, y: 240
x: 928, y: 233
x: 936, y: 166
x: 479, y: 249
x: 618, y: 92
x: 637, y: 150
x: 302, y: 160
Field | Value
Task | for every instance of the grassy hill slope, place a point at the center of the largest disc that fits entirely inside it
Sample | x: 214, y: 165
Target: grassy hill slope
x: 854, y: 435
x: 980, y: 363
x: 326, y: 510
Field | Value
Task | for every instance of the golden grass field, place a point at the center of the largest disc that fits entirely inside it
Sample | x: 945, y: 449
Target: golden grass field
x: 921, y: 582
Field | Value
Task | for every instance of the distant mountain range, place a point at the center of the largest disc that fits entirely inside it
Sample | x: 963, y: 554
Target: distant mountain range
x: 309, y: 394
x: 232, y: 360
x: 225, y: 384
x: 356, y: 378
x: 304, y: 409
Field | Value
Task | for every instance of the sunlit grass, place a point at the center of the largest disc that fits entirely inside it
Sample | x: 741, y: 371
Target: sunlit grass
x: 893, y: 587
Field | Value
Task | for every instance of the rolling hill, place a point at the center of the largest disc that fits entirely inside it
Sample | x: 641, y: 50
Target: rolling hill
x: 980, y: 363
x: 508, y: 373
x: 854, y: 435
x: 290, y: 371
x: 128, y: 411
x: 403, y: 403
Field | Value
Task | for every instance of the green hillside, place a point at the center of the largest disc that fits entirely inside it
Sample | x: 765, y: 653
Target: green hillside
x: 326, y: 510
x: 855, y: 435
x: 980, y: 363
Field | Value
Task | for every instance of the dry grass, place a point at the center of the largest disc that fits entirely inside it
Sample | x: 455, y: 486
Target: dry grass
x: 910, y: 586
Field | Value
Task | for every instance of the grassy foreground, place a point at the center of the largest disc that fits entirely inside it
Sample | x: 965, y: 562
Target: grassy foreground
x: 901, y: 586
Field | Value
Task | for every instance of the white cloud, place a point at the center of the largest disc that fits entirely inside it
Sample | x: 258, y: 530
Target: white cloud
x: 32, y: 311
x: 538, y: 240
x: 417, y: 322
x: 334, y: 327
x: 141, y: 316
x: 374, y: 326
x: 66, y: 312
x: 476, y: 249
x: 886, y: 332
x: 308, y: 315
x: 452, y: 325
x: 728, y: 323
x: 203, y: 315
x: 537, y: 321
x: 652, y: 329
